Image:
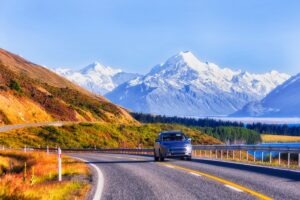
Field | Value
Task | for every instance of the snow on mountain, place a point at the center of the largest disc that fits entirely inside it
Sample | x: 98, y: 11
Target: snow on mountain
x: 284, y: 101
x: 96, y: 77
x: 185, y: 86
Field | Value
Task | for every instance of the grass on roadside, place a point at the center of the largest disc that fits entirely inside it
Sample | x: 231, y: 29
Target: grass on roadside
x: 101, y: 135
x: 33, y: 175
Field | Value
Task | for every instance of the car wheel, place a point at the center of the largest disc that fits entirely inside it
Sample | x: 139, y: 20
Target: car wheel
x: 156, y: 158
x: 161, y: 157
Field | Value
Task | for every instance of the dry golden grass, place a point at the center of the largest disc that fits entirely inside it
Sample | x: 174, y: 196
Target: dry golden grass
x: 21, y: 109
x: 38, y: 179
x: 279, y: 138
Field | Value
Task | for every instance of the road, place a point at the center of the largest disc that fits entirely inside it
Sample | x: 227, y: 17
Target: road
x: 139, y: 177
x: 18, y: 126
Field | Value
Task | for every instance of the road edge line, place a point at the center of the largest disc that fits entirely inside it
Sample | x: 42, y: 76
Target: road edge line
x: 100, y: 181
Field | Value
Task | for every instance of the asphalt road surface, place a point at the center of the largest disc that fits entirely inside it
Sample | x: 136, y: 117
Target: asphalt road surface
x: 19, y: 126
x: 139, y: 177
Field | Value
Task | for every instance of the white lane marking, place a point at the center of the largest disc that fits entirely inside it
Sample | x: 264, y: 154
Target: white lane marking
x: 170, y: 166
x: 195, y: 174
x: 133, y: 158
x: 233, y: 188
x: 100, y: 181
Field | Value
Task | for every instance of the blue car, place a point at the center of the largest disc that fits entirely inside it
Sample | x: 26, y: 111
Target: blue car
x: 172, y: 144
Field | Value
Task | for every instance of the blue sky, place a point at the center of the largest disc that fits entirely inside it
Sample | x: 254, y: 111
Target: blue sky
x: 135, y: 35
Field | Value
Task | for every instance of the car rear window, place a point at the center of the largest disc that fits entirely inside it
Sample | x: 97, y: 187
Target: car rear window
x: 173, y: 137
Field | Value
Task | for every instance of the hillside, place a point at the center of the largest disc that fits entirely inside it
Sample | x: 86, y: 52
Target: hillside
x: 101, y: 135
x: 283, y: 101
x: 186, y: 86
x: 31, y: 93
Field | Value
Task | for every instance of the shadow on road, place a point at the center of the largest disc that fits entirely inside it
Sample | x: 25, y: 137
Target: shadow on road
x: 294, y: 176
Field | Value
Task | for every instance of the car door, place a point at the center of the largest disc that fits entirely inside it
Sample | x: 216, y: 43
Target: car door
x: 157, y: 145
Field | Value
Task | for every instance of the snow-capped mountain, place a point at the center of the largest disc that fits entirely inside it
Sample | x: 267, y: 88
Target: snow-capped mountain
x: 284, y: 101
x: 185, y: 86
x: 96, y: 77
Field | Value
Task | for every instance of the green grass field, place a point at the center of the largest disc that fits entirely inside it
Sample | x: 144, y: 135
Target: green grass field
x: 89, y: 135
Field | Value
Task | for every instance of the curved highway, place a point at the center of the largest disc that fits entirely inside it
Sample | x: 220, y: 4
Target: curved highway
x: 139, y: 177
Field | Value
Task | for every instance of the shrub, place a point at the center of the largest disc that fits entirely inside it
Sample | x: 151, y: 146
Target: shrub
x: 14, y: 85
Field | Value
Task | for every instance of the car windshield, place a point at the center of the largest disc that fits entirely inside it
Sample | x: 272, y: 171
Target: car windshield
x: 173, y: 137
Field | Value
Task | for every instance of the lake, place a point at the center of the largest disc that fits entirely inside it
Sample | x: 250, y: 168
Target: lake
x: 258, y: 154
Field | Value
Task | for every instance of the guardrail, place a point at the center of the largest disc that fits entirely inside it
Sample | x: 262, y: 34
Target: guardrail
x: 273, y: 155
x: 250, y: 153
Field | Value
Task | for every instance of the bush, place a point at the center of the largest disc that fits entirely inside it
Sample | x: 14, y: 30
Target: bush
x: 14, y: 85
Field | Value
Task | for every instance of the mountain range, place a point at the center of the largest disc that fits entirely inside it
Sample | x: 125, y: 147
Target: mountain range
x: 186, y: 86
x: 284, y: 101
x: 96, y: 77
x: 31, y: 93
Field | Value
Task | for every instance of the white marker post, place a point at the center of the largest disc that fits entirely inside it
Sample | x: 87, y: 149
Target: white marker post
x: 59, y: 164
x: 47, y: 150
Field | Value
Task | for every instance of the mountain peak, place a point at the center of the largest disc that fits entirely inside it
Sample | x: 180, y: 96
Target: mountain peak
x: 188, y: 56
x: 97, y: 67
x: 183, y: 59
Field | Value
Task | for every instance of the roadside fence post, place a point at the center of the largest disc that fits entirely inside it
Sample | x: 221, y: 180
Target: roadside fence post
x: 227, y: 154
x: 262, y: 157
x: 299, y: 160
x: 240, y: 155
x: 25, y: 150
x: 289, y: 159
x: 210, y: 153
x: 254, y: 158
x: 247, y: 156
x: 221, y: 154
x: 216, y: 152
x: 279, y: 158
x: 270, y: 157
x: 233, y: 156
x: 47, y: 150
x: 59, y: 164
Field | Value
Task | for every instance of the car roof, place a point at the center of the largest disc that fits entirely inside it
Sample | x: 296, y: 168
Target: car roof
x: 171, y: 132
